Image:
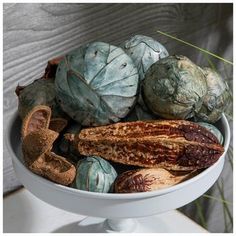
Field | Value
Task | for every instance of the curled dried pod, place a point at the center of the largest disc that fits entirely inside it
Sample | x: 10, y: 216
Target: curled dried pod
x: 38, y: 157
x: 172, y: 144
x: 145, y: 180
x: 54, y: 167
x: 51, y: 68
x: 36, y: 143
x: 58, y: 124
x: 37, y: 118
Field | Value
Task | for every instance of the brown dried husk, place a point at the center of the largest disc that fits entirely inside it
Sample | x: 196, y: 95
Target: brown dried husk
x: 36, y: 143
x: 38, y: 118
x: 55, y: 168
x: 149, y: 179
x: 38, y: 157
x: 170, y: 144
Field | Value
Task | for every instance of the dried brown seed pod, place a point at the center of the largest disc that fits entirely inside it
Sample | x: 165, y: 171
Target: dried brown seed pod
x: 172, y: 144
x: 58, y: 124
x: 37, y: 118
x: 145, y: 180
x: 54, y: 167
x: 50, y: 71
x: 36, y: 143
x: 38, y: 157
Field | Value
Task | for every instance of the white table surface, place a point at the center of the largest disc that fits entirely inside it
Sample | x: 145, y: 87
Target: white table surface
x: 24, y: 213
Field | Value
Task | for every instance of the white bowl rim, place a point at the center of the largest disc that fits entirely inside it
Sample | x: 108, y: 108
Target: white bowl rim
x: 114, y: 196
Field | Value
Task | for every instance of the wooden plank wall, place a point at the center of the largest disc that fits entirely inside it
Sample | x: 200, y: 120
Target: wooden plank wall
x: 35, y: 33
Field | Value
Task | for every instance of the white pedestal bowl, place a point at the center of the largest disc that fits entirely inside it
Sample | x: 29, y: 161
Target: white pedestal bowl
x: 119, y: 209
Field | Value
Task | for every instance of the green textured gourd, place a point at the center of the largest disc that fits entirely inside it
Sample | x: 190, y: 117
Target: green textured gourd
x: 96, y: 84
x: 39, y: 92
x: 214, y: 130
x: 95, y: 174
x: 217, y: 98
x: 174, y: 88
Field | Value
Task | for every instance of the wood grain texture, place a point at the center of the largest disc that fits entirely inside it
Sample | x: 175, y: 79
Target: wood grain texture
x: 33, y: 33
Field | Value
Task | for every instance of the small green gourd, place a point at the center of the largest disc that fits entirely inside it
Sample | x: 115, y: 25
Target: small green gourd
x: 95, y: 174
x: 174, y: 88
x: 216, y: 100
x: 39, y: 92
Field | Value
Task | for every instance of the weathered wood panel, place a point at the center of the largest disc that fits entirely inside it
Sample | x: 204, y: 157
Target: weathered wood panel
x: 35, y: 33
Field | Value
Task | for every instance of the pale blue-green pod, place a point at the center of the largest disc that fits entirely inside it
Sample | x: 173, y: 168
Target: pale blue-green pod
x: 95, y: 174
x: 97, y: 84
x: 217, y: 99
x: 144, y: 51
x: 174, y: 88
x: 214, y: 130
x: 39, y: 92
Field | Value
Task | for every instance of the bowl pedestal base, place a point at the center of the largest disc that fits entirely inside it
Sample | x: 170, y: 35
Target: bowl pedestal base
x: 169, y: 222
x: 120, y: 225
x: 101, y: 225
